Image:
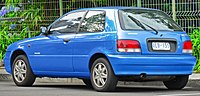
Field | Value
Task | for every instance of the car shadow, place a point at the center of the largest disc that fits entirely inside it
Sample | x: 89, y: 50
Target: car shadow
x: 139, y: 89
x: 80, y: 87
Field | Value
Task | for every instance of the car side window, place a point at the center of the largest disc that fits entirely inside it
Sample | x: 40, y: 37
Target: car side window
x: 68, y: 23
x: 94, y: 21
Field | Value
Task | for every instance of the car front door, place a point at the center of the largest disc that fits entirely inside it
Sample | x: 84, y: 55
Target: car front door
x: 53, y: 53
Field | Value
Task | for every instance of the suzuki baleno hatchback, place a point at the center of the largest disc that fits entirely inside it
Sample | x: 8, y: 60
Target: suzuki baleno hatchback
x: 105, y: 45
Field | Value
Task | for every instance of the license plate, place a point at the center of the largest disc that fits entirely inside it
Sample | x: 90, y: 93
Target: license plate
x: 160, y: 46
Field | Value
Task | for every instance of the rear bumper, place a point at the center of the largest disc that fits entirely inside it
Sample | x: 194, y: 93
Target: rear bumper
x: 159, y: 65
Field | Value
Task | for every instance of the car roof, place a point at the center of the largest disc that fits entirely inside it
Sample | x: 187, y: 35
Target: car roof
x: 114, y: 8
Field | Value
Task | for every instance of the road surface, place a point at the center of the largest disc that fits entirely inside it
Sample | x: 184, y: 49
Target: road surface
x: 8, y: 88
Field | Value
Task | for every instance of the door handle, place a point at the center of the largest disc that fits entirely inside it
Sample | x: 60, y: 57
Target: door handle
x: 66, y: 39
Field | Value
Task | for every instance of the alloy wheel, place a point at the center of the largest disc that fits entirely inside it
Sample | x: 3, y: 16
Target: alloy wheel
x: 100, y: 74
x: 20, y: 70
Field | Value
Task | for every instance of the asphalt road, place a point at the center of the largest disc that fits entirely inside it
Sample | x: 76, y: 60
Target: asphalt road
x: 8, y: 88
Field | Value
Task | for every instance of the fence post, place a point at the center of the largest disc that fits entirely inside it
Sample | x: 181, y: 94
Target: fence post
x: 29, y: 34
x: 61, y: 7
x: 138, y: 3
x: 174, y: 10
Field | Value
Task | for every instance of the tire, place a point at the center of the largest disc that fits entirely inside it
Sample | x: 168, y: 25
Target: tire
x: 87, y: 83
x: 21, y: 72
x: 178, y: 83
x: 104, y: 80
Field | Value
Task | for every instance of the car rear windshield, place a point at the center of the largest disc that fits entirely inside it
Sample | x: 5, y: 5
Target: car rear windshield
x: 143, y: 19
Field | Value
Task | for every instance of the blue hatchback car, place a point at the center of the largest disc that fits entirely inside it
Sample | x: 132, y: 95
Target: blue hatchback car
x: 105, y: 45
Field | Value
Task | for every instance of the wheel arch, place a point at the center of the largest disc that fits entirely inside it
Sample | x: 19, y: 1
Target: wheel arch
x: 95, y: 56
x: 15, y: 54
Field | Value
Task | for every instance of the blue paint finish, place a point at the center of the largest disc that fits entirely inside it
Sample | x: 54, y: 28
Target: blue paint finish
x: 50, y: 56
x: 6, y: 61
x: 83, y: 42
x: 152, y: 64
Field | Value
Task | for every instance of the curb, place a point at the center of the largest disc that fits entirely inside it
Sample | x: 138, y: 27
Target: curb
x: 4, y: 76
x: 1, y: 63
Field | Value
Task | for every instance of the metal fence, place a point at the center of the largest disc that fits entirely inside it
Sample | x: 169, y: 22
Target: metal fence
x: 186, y: 12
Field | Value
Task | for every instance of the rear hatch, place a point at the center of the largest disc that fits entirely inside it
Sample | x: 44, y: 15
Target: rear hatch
x: 154, y: 30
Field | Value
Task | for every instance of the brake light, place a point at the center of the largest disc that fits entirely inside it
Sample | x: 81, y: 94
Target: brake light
x: 187, y: 47
x: 128, y: 46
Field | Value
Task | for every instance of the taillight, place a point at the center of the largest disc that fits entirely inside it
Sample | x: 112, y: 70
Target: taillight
x: 187, y: 47
x: 128, y: 46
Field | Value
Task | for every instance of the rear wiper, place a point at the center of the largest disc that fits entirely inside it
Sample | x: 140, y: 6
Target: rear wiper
x: 151, y: 28
x: 139, y: 23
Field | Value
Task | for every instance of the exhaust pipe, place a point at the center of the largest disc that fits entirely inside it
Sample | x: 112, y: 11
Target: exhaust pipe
x: 143, y: 75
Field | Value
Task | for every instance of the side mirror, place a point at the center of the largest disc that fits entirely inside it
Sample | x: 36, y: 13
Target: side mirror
x: 43, y: 30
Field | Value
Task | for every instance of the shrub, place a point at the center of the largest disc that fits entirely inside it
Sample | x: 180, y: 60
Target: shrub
x: 195, y: 38
x: 17, y: 23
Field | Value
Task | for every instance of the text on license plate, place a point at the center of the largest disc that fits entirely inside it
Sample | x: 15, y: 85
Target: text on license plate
x: 160, y: 46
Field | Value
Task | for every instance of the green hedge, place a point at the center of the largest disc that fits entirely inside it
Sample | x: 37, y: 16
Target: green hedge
x: 17, y: 23
x: 195, y: 37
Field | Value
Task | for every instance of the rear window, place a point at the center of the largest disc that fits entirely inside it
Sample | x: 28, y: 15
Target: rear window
x: 138, y: 19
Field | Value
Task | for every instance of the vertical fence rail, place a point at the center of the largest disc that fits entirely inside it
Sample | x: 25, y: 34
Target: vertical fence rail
x: 61, y: 7
x: 138, y: 3
x: 174, y: 10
